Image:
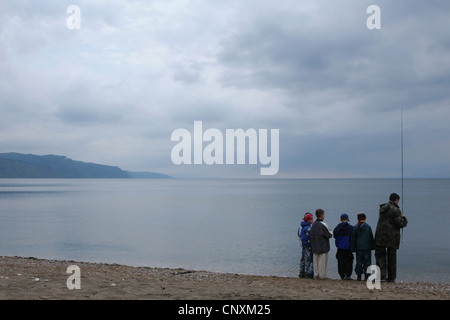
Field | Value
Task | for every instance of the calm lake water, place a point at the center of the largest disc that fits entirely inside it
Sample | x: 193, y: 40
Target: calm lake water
x: 244, y: 226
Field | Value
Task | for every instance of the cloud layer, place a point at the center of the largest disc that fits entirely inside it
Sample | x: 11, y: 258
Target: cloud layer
x: 113, y: 91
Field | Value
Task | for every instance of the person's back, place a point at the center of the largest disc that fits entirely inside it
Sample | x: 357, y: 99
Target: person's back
x: 320, y: 236
x: 390, y: 220
x: 305, y: 237
x: 342, y: 234
x: 362, y: 237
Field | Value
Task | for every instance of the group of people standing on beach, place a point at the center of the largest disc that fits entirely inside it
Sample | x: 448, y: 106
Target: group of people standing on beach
x: 359, y: 239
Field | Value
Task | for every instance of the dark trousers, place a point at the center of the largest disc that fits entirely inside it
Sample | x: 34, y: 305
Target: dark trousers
x: 363, y: 261
x: 345, y: 262
x: 386, y: 259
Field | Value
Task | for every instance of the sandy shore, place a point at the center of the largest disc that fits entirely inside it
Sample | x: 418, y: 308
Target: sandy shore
x: 31, y: 278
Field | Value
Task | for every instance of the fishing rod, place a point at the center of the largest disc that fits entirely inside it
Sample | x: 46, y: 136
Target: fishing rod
x: 401, y: 143
x: 401, y: 139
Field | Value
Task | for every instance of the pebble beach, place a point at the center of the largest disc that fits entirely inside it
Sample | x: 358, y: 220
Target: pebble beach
x: 34, y: 279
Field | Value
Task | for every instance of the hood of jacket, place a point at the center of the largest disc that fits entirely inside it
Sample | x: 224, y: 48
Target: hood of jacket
x: 362, y: 226
x: 343, y: 227
x: 385, y: 207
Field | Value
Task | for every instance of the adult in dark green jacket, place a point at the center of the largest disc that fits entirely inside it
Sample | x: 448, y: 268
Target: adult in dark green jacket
x: 387, y: 237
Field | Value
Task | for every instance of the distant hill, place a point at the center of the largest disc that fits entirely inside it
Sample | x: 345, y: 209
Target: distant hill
x: 18, y: 165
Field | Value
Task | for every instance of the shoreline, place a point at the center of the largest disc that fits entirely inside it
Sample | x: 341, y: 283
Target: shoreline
x: 29, y: 278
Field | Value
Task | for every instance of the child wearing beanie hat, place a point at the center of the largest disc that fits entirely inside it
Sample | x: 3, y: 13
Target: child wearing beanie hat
x: 362, y: 243
x: 306, y: 261
x: 361, y: 218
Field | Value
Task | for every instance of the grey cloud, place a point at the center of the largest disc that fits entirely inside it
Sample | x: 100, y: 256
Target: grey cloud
x: 348, y: 57
x: 188, y: 73
x: 85, y: 115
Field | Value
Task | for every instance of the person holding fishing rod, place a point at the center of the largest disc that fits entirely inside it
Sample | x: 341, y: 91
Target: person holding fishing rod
x: 387, y: 237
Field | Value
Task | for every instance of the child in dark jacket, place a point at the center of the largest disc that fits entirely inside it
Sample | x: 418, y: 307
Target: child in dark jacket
x: 344, y: 256
x: 306, y: 261
x: 320, y: 244
x: 362, y: 242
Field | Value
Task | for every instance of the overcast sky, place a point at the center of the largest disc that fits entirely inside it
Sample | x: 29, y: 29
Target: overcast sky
x: 113, y: 91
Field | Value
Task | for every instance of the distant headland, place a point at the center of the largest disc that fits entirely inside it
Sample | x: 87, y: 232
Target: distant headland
x: 18, y: 165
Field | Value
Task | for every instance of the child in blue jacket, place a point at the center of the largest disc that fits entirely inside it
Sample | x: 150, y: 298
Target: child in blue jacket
x: 306, y: 261
x: 344, y: 256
